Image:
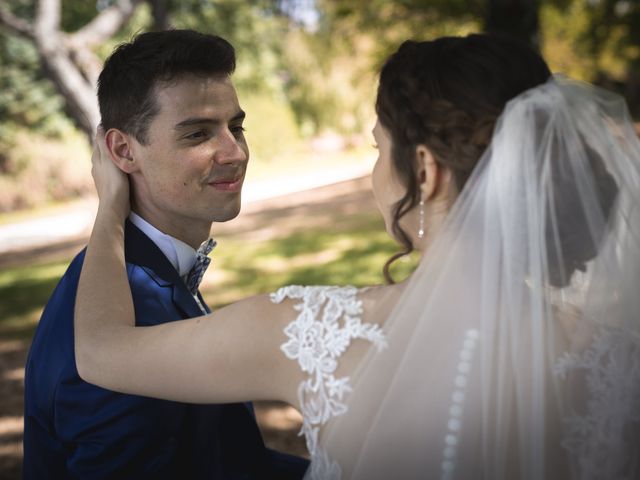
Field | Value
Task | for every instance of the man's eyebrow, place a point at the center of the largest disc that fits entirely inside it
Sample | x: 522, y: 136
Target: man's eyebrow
x: 214, y: 121
x: 239, y: 116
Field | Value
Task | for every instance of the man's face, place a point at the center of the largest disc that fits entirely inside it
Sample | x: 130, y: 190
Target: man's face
x: 192, y: 167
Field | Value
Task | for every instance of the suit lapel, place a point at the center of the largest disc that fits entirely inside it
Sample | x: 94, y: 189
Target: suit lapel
x: 184, y: 300
x: 140, y: 250
x: 206, y: 307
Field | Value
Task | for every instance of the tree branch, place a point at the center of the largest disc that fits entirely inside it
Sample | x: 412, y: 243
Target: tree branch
x: 77, y: 88
x: 78, y: 92
x: 47, y: 21
x: 15, y: 24
x: 106, y: 24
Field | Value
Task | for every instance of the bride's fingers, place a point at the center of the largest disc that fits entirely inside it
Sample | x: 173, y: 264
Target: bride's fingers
x: 112, y: 184
x: 104, y: 171
x: 99, y: 147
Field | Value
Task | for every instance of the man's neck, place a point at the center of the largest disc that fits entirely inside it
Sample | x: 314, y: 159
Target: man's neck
x: 191, y: 232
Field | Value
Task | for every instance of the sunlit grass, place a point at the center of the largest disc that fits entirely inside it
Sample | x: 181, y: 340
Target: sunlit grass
x: 348, y: 253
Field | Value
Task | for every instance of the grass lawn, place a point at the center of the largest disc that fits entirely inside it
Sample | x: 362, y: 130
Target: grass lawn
x: 337, y: 239
x: 23, y: 293
x: 351, y: 252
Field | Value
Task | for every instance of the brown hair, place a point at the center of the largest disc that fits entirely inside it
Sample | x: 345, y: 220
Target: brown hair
x: 447, y: 94
x: 126, y: 83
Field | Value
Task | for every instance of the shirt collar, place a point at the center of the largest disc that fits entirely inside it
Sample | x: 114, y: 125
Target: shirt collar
x: 181, y: 255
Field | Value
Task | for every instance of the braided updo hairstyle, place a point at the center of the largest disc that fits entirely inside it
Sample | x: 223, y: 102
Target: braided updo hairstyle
x: 448, y: 94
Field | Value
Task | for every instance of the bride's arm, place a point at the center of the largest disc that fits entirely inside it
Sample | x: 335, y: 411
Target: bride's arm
x: 230, y: 355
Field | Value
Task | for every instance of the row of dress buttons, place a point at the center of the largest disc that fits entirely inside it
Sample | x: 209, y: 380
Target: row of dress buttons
x: 454, y: 424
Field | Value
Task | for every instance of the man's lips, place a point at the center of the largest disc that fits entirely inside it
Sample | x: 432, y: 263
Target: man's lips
x: 227, y: 184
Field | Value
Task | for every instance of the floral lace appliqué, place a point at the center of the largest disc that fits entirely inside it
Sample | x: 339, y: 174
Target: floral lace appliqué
x: 328, y: 321
x: 598, y: 432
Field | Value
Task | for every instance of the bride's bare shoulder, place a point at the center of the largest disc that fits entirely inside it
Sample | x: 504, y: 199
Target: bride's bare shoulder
x: 379, y: 300
x: 286, y: 303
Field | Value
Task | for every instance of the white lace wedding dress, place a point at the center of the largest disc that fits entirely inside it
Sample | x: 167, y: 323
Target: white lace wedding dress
x: 329, y: 319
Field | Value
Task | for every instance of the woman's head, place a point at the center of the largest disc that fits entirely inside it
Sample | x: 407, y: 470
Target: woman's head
x: 438, y: 102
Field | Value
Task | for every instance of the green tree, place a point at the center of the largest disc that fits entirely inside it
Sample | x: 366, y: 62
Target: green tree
x: 67, y: 59
x: 330, y: 68
x: 597, y: 41
x: 27, y: 98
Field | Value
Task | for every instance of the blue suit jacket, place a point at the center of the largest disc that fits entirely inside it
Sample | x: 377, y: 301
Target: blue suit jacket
x: 77, y: 430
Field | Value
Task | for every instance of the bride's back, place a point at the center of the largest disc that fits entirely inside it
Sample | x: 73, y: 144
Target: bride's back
x: 478, y: 377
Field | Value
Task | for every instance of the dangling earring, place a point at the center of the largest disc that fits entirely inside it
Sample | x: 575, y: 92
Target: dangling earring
x: 421, y: 219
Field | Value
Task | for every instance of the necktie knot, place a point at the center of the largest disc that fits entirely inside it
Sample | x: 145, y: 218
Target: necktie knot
x: 194, y: 277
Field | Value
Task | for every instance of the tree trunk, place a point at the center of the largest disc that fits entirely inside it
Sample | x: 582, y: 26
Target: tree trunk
x: 517, y: 18
x: 78, y: 92
x: 160, y: 14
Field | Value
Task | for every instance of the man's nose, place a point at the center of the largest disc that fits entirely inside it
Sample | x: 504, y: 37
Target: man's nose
x: 230, y: 149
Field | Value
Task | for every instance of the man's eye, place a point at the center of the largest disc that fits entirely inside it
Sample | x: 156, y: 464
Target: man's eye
x: 196, y: 135
x: 237, y: 130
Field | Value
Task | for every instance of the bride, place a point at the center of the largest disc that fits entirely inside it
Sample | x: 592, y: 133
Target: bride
x: 512, y: 352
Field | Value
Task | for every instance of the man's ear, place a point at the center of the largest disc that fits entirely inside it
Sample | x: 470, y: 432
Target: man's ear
x: 119, y: 146
x: 428, y: 170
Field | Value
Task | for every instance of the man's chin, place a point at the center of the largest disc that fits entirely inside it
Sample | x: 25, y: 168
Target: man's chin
x: 230, y: 214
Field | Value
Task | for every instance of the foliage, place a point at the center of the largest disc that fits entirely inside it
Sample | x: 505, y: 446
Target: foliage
x: 75, y: 15
x: 39, y: 146
x: 27, y: 99
x: 271, y: 128
x: 327, y: 87
x: 390, y: 23
x: 331, y: 70
x: 254, y: 28
x: 45, y: 169
x: 30, y: 108
x: 562, y: 46
x: 597, y: 41
x: 314, y: 77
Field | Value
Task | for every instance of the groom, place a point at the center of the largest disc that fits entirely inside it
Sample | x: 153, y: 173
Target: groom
x: 173, y: 123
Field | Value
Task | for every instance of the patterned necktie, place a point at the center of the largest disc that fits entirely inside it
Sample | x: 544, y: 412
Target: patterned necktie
x: 194, y: 277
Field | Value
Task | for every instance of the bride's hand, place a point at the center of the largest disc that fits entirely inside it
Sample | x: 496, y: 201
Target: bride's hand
x: 111, y: 183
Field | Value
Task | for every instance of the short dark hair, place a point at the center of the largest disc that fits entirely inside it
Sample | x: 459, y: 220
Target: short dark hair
x: 447, y: 94
x: 126, y: 83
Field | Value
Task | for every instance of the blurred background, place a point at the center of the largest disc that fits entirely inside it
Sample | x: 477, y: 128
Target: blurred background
x: 306, y: 77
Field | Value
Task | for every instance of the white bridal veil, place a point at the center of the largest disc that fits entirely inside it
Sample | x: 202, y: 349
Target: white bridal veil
x: 514, y: 352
